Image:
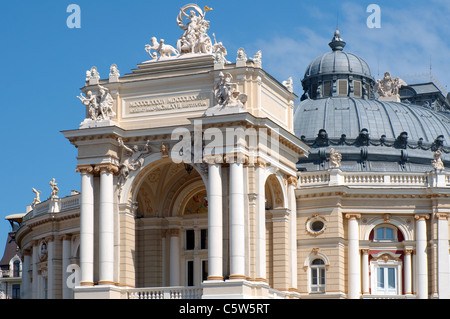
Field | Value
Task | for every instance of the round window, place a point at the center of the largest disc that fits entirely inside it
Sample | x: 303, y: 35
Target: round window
x: 317, y: 226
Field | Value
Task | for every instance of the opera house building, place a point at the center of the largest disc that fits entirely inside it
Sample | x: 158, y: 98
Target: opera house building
x: 204, y: 177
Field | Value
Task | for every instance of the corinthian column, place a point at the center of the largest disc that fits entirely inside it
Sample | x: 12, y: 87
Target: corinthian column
x: 421, y: 256
x: 354, y: 261
x: 87, y: 226
x: 215, y: 223
x: 106, y: 224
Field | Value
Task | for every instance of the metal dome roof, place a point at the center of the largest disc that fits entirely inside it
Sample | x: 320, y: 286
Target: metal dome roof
x: 349, y: 116
x: 337, y: 62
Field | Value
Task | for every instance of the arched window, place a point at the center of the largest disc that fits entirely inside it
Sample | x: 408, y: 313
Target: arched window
x: 16, y: 268
x: 385, y: 233
x: 318, y: 275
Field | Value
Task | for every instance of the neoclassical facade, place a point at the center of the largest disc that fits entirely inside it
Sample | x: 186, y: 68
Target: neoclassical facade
x: 203, y: 178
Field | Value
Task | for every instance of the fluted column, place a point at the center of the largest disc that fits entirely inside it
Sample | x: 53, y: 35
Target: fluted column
x: 237, y: 221
x: 354, y: 259
x: 215, y: 222
x: 174, y: 256
x: 260, y: 222
x: 106, y: 224
x: 66, y: 291
x: 421, y: 256
x: 408, y: 271
x: 443, y: 256
x: 292, y: 184
x: 87, y: 226
x: 365, y: 271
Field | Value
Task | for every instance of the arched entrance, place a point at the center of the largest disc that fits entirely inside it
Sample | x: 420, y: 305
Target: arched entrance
x: 171, y: 225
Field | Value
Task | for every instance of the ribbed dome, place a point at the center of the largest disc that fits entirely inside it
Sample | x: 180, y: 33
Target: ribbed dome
x: 337, y: 62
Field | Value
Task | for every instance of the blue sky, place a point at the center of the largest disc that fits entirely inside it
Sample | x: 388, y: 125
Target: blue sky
x: 43, y: 62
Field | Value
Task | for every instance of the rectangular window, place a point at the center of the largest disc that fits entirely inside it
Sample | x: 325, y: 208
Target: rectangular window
x: 190, y: 273
x: 204, y: 239
x: 327, y: 88
x: 357, y: 88
x: 190, y: 239
x: 342, y: 87
x: 16, y: 292
x: 380, y: 278
x: 204, y: 270
x: 391, y: 278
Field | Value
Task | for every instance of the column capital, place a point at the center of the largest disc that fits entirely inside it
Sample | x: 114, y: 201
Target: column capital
x: 85, y: 169
x: 65, y: 237
x: 213, y: 159
x: 49, y: 238
x: 365, y: 251
x: 173, y: 232
x: 292, y: 180
x: 409, y: 251
x: 261, y: 163
x: 421, y: 217
x: 106, y: 168
x: 441, y: 216
x: 352, y: 216
x: 236, y: 158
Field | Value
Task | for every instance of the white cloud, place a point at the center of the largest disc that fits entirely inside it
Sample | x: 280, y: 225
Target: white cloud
x: 410, y: 35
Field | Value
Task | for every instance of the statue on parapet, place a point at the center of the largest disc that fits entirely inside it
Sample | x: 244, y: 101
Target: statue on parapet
x: 55, y: 189
x: 37, y: 199
x: 388, y: 87
x: 227, y: 93
x: 100, y: 105
x: 164, y: 50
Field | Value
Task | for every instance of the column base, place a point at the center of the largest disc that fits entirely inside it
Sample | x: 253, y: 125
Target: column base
x: 86, y: 284
x: 215, y: 278
x: 238, y: 277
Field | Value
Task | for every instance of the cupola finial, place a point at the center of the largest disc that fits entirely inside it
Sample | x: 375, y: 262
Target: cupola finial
x: 337, y: 44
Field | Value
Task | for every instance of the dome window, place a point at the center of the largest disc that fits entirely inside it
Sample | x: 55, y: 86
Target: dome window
x: 327, y: 88
x: 342, y: 87
x: 357, y: 89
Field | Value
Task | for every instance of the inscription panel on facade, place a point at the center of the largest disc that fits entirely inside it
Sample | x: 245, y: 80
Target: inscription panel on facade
x: 156, y: 104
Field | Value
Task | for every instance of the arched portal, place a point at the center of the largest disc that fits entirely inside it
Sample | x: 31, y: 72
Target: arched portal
x: 171, y: 210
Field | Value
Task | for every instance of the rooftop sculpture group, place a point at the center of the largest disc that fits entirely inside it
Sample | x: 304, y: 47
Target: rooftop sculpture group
x: 194, y: 40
